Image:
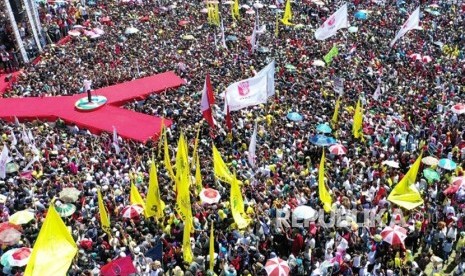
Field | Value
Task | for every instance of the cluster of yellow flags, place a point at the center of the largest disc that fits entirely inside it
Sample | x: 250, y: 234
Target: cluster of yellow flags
x: 287, y: 14
x: 357, y: 126
x: 235, y: 10
x: 336, y: 113
x: 213, y: 14
x: 54, y: 249
x: 325, y: 197
x: 405, y: 194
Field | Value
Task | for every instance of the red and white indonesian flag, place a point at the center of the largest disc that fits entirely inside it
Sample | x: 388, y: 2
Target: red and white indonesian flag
x: 412, y: 23
x: 207, y: 100
x: 336, y: 21
x: 251, y: 91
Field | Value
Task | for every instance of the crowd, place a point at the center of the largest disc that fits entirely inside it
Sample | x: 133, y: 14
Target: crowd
x: 412, y: 113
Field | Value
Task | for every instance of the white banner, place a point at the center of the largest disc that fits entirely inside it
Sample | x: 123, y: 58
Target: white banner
x: 4, y: 159
x: 251, y: 91
x: 336, y: 21
x: 252, y: 147
x: 412, y: 23
x: 339, y: 86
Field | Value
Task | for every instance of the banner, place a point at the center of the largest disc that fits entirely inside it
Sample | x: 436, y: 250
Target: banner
x: 339, y: 86
x: 357, y: 126
x: 135, y: 198
x: 336, y: 21
x: 220, y: 169
x: 119, y: 267
x: 212, y: 249
x: 104, y: 218
x: 252, y: 147
x: 237, y: 205
x: 4, y: 159
x: 251, y: 91
x: 54, y: 249
x: 186, y: 242
x: 331, y: 54
x: 412, y: 23
x: 336, y: 113
x: 154, y: 205
x: 323, y: 193
x: 287, y: 14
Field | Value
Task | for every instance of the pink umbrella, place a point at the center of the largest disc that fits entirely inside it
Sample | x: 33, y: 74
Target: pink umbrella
x: 18, y: 256
x: 210, y: 196
x: 9, y: 233
x: 426, y: 59
x: 338, y: 149
x: 394, y: 235
x: 250, y: 11
x: 458, y: 108
x: 183, y: 22
x: 415, y: 56
x: 98, y: 31
x: 276, y: 267
x: 74, y: 33
x: 89, y: 33
x: 204, y: 10
x: 132, y: 211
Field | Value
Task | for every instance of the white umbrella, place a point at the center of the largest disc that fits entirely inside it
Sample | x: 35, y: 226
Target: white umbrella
x: 210, y: 196
x: 304, y: 212
x: 245, y: 6
x: 131, y: 30
x: 258, y: 5
x: 272, y: 7
x: 250, y: 11
x: 318, y: 62
x: 390, y: 163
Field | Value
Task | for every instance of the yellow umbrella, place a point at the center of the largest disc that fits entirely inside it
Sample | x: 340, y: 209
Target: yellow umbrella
x: 21, y: 217
x: 188, y: 37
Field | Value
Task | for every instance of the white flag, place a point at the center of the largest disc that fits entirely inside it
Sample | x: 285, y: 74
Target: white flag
x: 14, y: 142
x: 223, y: 40
x: 269, y: 71
x: 254, y: 39
x: 251, y: 91
x: 252, y: 147
x: 115, y: 141
x: 24, y: 136
x: 412, y: 23
x: 336, y: 21
x: 4, y: 159
x: 30, y: 136
x: 16, y: 121
x: 377, y: 93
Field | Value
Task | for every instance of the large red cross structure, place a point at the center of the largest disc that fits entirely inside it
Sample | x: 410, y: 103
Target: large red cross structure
x: 129, y: 124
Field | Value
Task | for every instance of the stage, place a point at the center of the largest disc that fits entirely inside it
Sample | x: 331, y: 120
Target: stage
x: 129, y: 124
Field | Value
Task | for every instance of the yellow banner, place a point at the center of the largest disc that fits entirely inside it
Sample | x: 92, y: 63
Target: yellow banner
x: 198, y: 176
x: 220, y: 169
x: 357, y: 127
x: 212, y: 248
x: 135, y: 198
x: 325, y: 197
x: 167, y: 158
x: 186, y: 242
x: 154, y: 204
x: 104, y: 218
x: 336, y: 113
x: 237, y: 205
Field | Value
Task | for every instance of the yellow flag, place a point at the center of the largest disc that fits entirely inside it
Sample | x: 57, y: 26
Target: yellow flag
x: 325, y: 197
x: 196, y: 145
x: 198, y: 176
x: 154, y: 204
x: 104, y: 218
x: 276, y: 28
x: 54, y: 249
x: 160, y: 141
x: 186, y: 242
x: 336, y: 113
x: 287, y: 14
x: 219, y: 167
x: 235, y: 10
x: 212, y: 248
x: 182, y: 159
x: 357, y: 130
x: 237, y: 205
x: 167, y: 158
x: 217, y: 15
x: 135, y: 198
x: 183, y: 201
x: 405, y: 194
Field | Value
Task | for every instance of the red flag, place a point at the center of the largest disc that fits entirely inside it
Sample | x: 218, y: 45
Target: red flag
x: 207, y: 100
x: 228, y: 119
x: 118, y: 267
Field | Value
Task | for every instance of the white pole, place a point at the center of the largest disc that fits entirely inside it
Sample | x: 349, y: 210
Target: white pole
x: 31, y: 23
x: 14, y: 26
x: 35, y: 7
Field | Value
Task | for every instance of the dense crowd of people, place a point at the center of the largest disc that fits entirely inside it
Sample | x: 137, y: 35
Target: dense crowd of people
x: 412, y: 114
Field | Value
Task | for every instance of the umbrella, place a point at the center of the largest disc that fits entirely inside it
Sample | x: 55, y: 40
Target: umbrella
x: 258, y: 5
x: 65, y: 209
x: 453, y: 188
x: 250, y: 11
x: 263, y: 49
x: 447, y: 164
x: 432, y: 12
x: 10, y: 233
x: 458, y: 108
x: 16, y: 257
x: 304, y: 212
x: 430, y: 161
x: 390, y: 163
x: 132, y: 211
x: 78, y: 27
x: 188, y: 37
x: 21, y: 217
x: 131, y: 30
x: 318, y: 62
x: 431, y: 175
x: 245, y: 6
x: 352, y: 29
x: 228, y: 2
x: 183, y: 22
x: 210, y: 196
x: 204, y: 10
x: 361, y: 14
x: 299, y: 26
x: 74, y: 33
x: 11, y: 167
x: 338, y: 149
x: 231, y: 38
x: 319, y: 3
x: 276, y: 267
x: 415, y: 56
x: 426, y: 59
x: 98, y: 31
x: 460, y: 181
x: 394, y: 235
x: 294, y: 116
x: 323, y: 128
x: 272, y: 7
x: 322, y: 140
x: 70, y: 194
x: 290, y: 67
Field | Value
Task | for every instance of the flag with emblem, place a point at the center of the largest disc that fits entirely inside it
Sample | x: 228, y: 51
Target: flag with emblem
x: 335, y: 22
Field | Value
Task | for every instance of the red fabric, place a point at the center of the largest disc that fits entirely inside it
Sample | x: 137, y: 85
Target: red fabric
x: 228, y: 120
x: 118, y: 267
x: 131, y: 125
x: 207, y: 114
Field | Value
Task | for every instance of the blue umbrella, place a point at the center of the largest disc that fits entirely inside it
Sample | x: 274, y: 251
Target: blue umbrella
x: 447, y: 164
x: 322, y: 140
x: 323, y: 128
x: 231, y: 38
x: 294, y: 116
x: 362, y: 15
